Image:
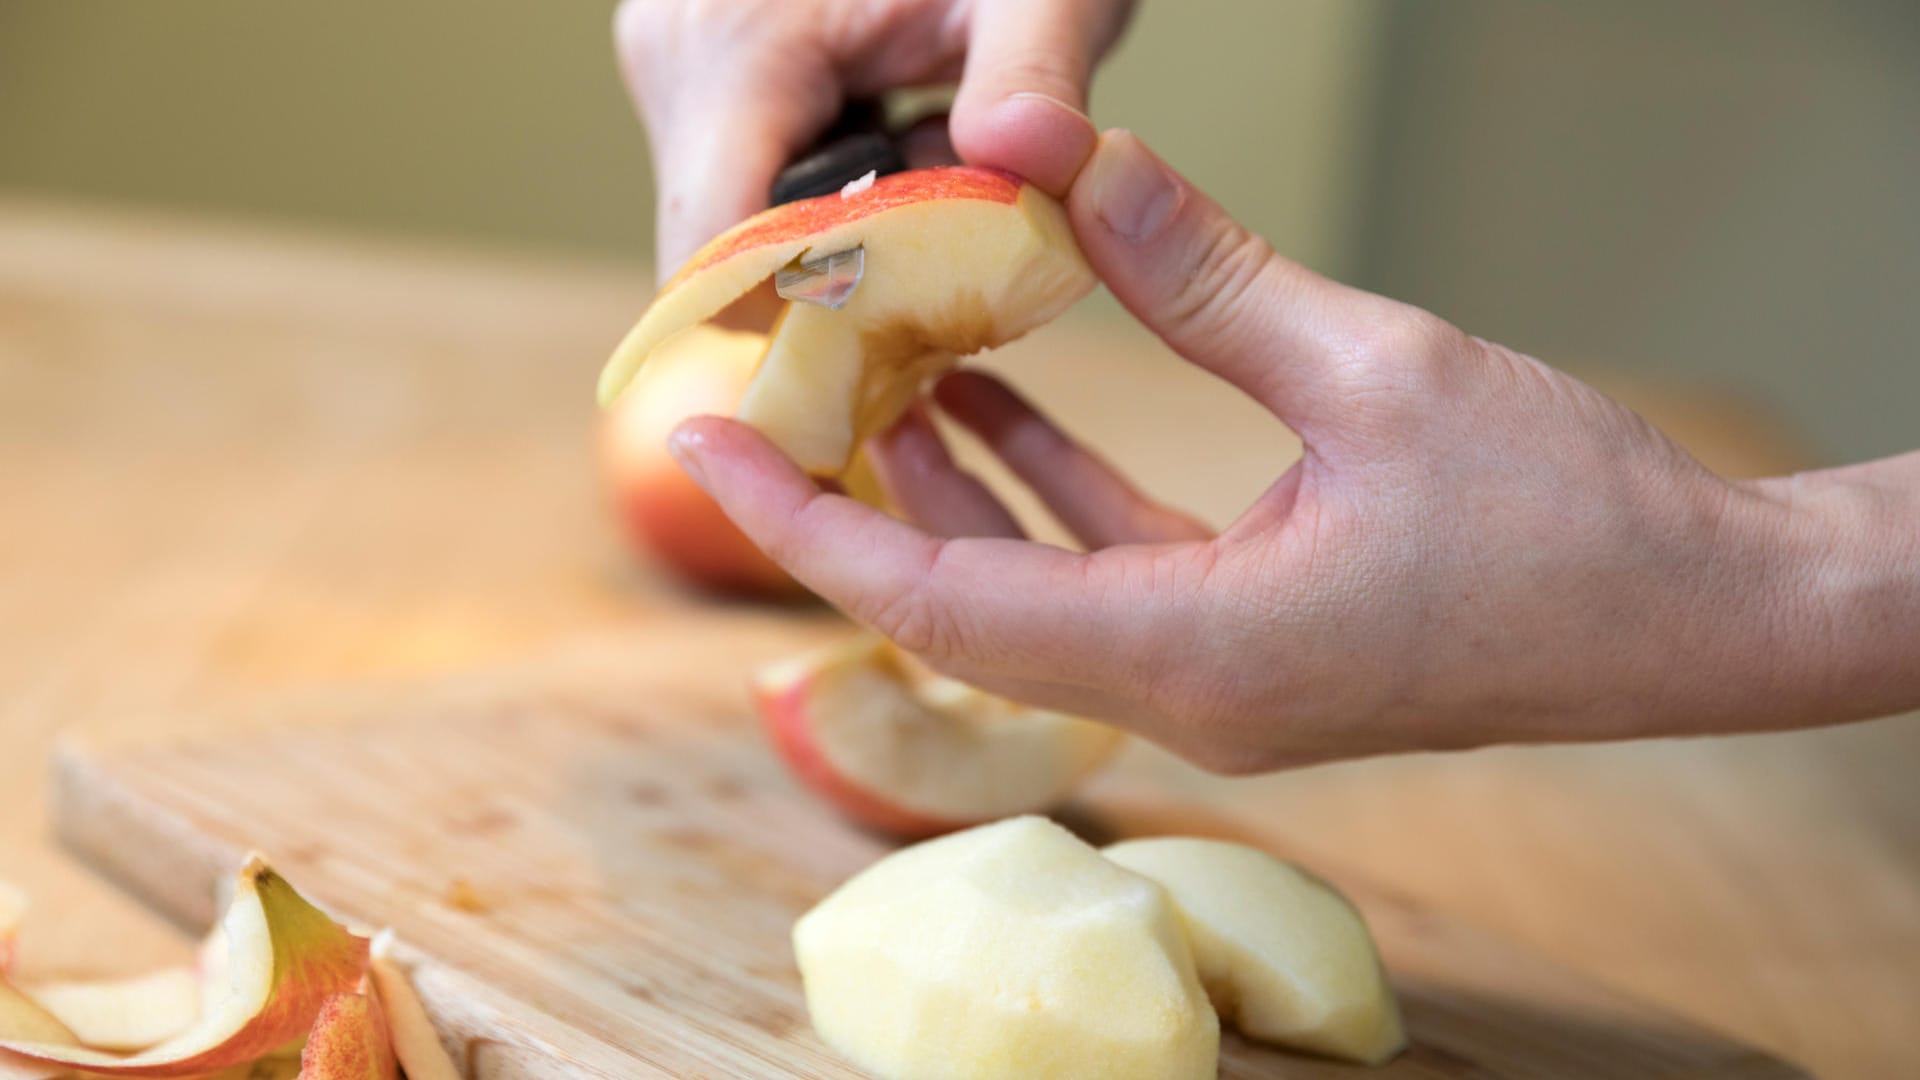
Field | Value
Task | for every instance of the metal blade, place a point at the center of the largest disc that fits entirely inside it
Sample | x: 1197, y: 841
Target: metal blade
x: 826, y: 280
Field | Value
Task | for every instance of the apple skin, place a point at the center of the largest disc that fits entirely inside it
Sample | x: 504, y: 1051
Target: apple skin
x: 702, y: 371
x: 349, y: 1041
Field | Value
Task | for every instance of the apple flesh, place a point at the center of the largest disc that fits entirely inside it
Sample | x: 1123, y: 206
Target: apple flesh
x: 283, y: 958
x: 905, y: 752
x: 699, y: 371
x: 1286, y: 959
x: 123, y: 1014
x: 956, y: 260
x: 1007, y: 951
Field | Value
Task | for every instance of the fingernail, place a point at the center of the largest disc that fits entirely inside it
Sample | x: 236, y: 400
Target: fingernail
x: 686, y: 447
x: 1133, y: 193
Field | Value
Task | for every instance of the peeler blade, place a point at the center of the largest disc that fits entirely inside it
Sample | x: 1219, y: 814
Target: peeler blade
x: 826, y: 280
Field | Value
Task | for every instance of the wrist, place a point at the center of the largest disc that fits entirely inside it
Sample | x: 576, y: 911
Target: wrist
x: 1845, y: 613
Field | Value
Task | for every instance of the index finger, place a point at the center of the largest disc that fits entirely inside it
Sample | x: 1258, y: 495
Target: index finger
x: 1012, y: 607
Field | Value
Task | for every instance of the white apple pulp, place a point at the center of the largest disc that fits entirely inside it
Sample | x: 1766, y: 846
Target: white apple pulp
x: 1005, y: 952
x: 1286, y: 959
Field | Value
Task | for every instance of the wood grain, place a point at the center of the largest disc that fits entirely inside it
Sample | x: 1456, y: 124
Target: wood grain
x: 599, y: 862
x: 234, y: 461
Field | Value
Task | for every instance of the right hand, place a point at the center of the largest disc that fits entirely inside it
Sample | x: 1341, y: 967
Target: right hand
x: 1474, y: 548
x: 731, y: 90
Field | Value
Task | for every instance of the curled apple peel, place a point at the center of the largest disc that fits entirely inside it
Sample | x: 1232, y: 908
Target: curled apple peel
x: 283, y: 958
x: 415, y: 1042
x: 957, y: 260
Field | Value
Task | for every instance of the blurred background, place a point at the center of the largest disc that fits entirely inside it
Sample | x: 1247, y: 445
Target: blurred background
x: 1721, y: 191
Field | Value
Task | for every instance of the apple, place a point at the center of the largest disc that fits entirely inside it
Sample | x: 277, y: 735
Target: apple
x: 1010, y: 950
x: 415, y: 1042
x: 283, y: 958
x: 699, y: 371
x: 906, y: 752
x: 957, y: 260
x: 123, y: 1014
x: 1286, y: 958
x: 348, y: 1042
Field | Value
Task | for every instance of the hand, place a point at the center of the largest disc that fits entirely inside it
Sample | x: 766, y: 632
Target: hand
x: 732, y: 89
x: 1473, y: 548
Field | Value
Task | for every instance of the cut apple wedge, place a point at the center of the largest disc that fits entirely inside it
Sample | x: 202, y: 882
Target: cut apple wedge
x: 1011, y: 950
x: 956, y: 260
x: 283, y: 959
x: 415, y: 1042
x: 906, y: 752
x: 349, y: 1041
x: 1285, y: 958
x: 123, y: 1014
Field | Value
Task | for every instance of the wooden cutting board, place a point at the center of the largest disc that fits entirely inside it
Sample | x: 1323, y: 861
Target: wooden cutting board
x: 594, y: 862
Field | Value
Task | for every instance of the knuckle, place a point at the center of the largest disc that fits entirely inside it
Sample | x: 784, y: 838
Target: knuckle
x: 1211, y: 299
x: 911, y: 616
x: 1033, y: 68
x: 1408, y: 342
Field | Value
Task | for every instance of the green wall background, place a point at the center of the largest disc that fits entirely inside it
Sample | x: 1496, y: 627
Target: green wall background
x: 504, y: 121
x: 1722, y: 190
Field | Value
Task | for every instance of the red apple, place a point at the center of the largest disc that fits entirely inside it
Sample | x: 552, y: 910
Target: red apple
x: 912, y: 754
x: 702, y: 370
x: 956, y: 260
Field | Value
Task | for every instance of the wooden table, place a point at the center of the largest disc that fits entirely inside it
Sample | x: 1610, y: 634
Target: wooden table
x: 233, y: 461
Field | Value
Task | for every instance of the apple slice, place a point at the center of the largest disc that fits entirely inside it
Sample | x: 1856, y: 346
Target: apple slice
x: 283, y: 959
x: 956, y: 260
x: 123, y: 1014
x: 1010, y: 950
x: 415, y: 1042
x: 1286, y: 959
x: 912, y: 754
x: 349, y: 1041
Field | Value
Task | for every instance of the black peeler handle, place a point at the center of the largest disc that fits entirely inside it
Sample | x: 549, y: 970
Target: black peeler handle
x: 857, y: 143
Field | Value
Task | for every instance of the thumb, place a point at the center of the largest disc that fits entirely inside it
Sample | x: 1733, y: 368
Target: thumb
x: 1022, y: 104
x: 1218, y: 294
